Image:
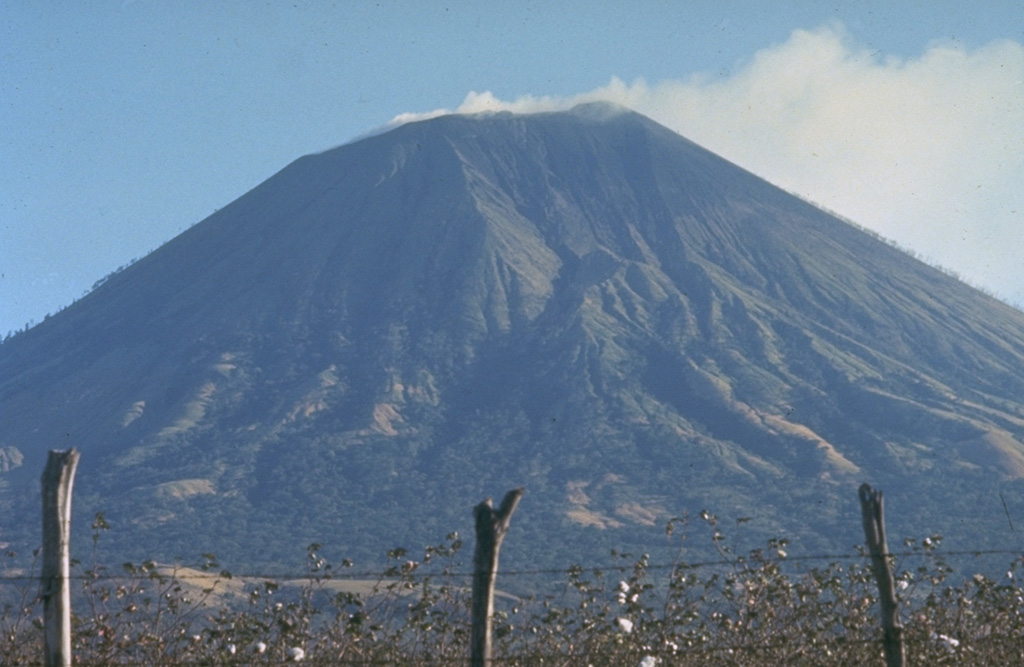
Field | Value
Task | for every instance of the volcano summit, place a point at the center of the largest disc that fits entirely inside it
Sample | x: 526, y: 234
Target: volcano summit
x: 582, y: 303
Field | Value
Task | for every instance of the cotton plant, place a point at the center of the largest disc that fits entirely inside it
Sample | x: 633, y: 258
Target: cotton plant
x: 749, y: 609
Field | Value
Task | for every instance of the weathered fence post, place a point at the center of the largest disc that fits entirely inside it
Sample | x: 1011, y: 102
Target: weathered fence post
x: 491, y: 526
x: 874, y: 532
x: 55, y: 589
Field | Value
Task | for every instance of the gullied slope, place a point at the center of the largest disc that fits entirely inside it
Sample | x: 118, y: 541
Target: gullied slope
x: 582, y: 303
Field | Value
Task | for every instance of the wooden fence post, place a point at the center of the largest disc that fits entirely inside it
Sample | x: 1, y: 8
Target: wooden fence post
x: 491, y: 526
x: 874, y: 532
x: 55, y: 589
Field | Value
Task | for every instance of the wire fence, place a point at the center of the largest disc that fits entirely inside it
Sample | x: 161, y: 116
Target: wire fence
x: 186, y: 571
x: 765, y: 603
x: 644, y: 645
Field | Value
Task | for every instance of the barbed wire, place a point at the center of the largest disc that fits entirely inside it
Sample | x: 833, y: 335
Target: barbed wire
x: 216, y: 572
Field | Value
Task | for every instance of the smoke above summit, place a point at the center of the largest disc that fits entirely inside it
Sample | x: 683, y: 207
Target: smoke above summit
x: 927, y: 151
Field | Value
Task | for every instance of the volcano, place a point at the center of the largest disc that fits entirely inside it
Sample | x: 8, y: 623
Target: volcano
x: 581, y: 303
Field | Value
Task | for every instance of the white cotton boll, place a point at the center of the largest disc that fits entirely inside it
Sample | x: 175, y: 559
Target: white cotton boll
x: 902, y: 584
x: 650, y: 661
x: 624, y: 624
x: 231, y: 648
x: 259, y: 647
x: 948, y: 642
x: 295, y: 653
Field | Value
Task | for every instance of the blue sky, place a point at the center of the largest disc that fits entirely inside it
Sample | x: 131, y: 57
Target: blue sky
x: 124, y: 123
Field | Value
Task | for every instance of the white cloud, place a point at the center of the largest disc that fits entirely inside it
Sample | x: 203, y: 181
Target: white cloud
x: 928, y: 151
